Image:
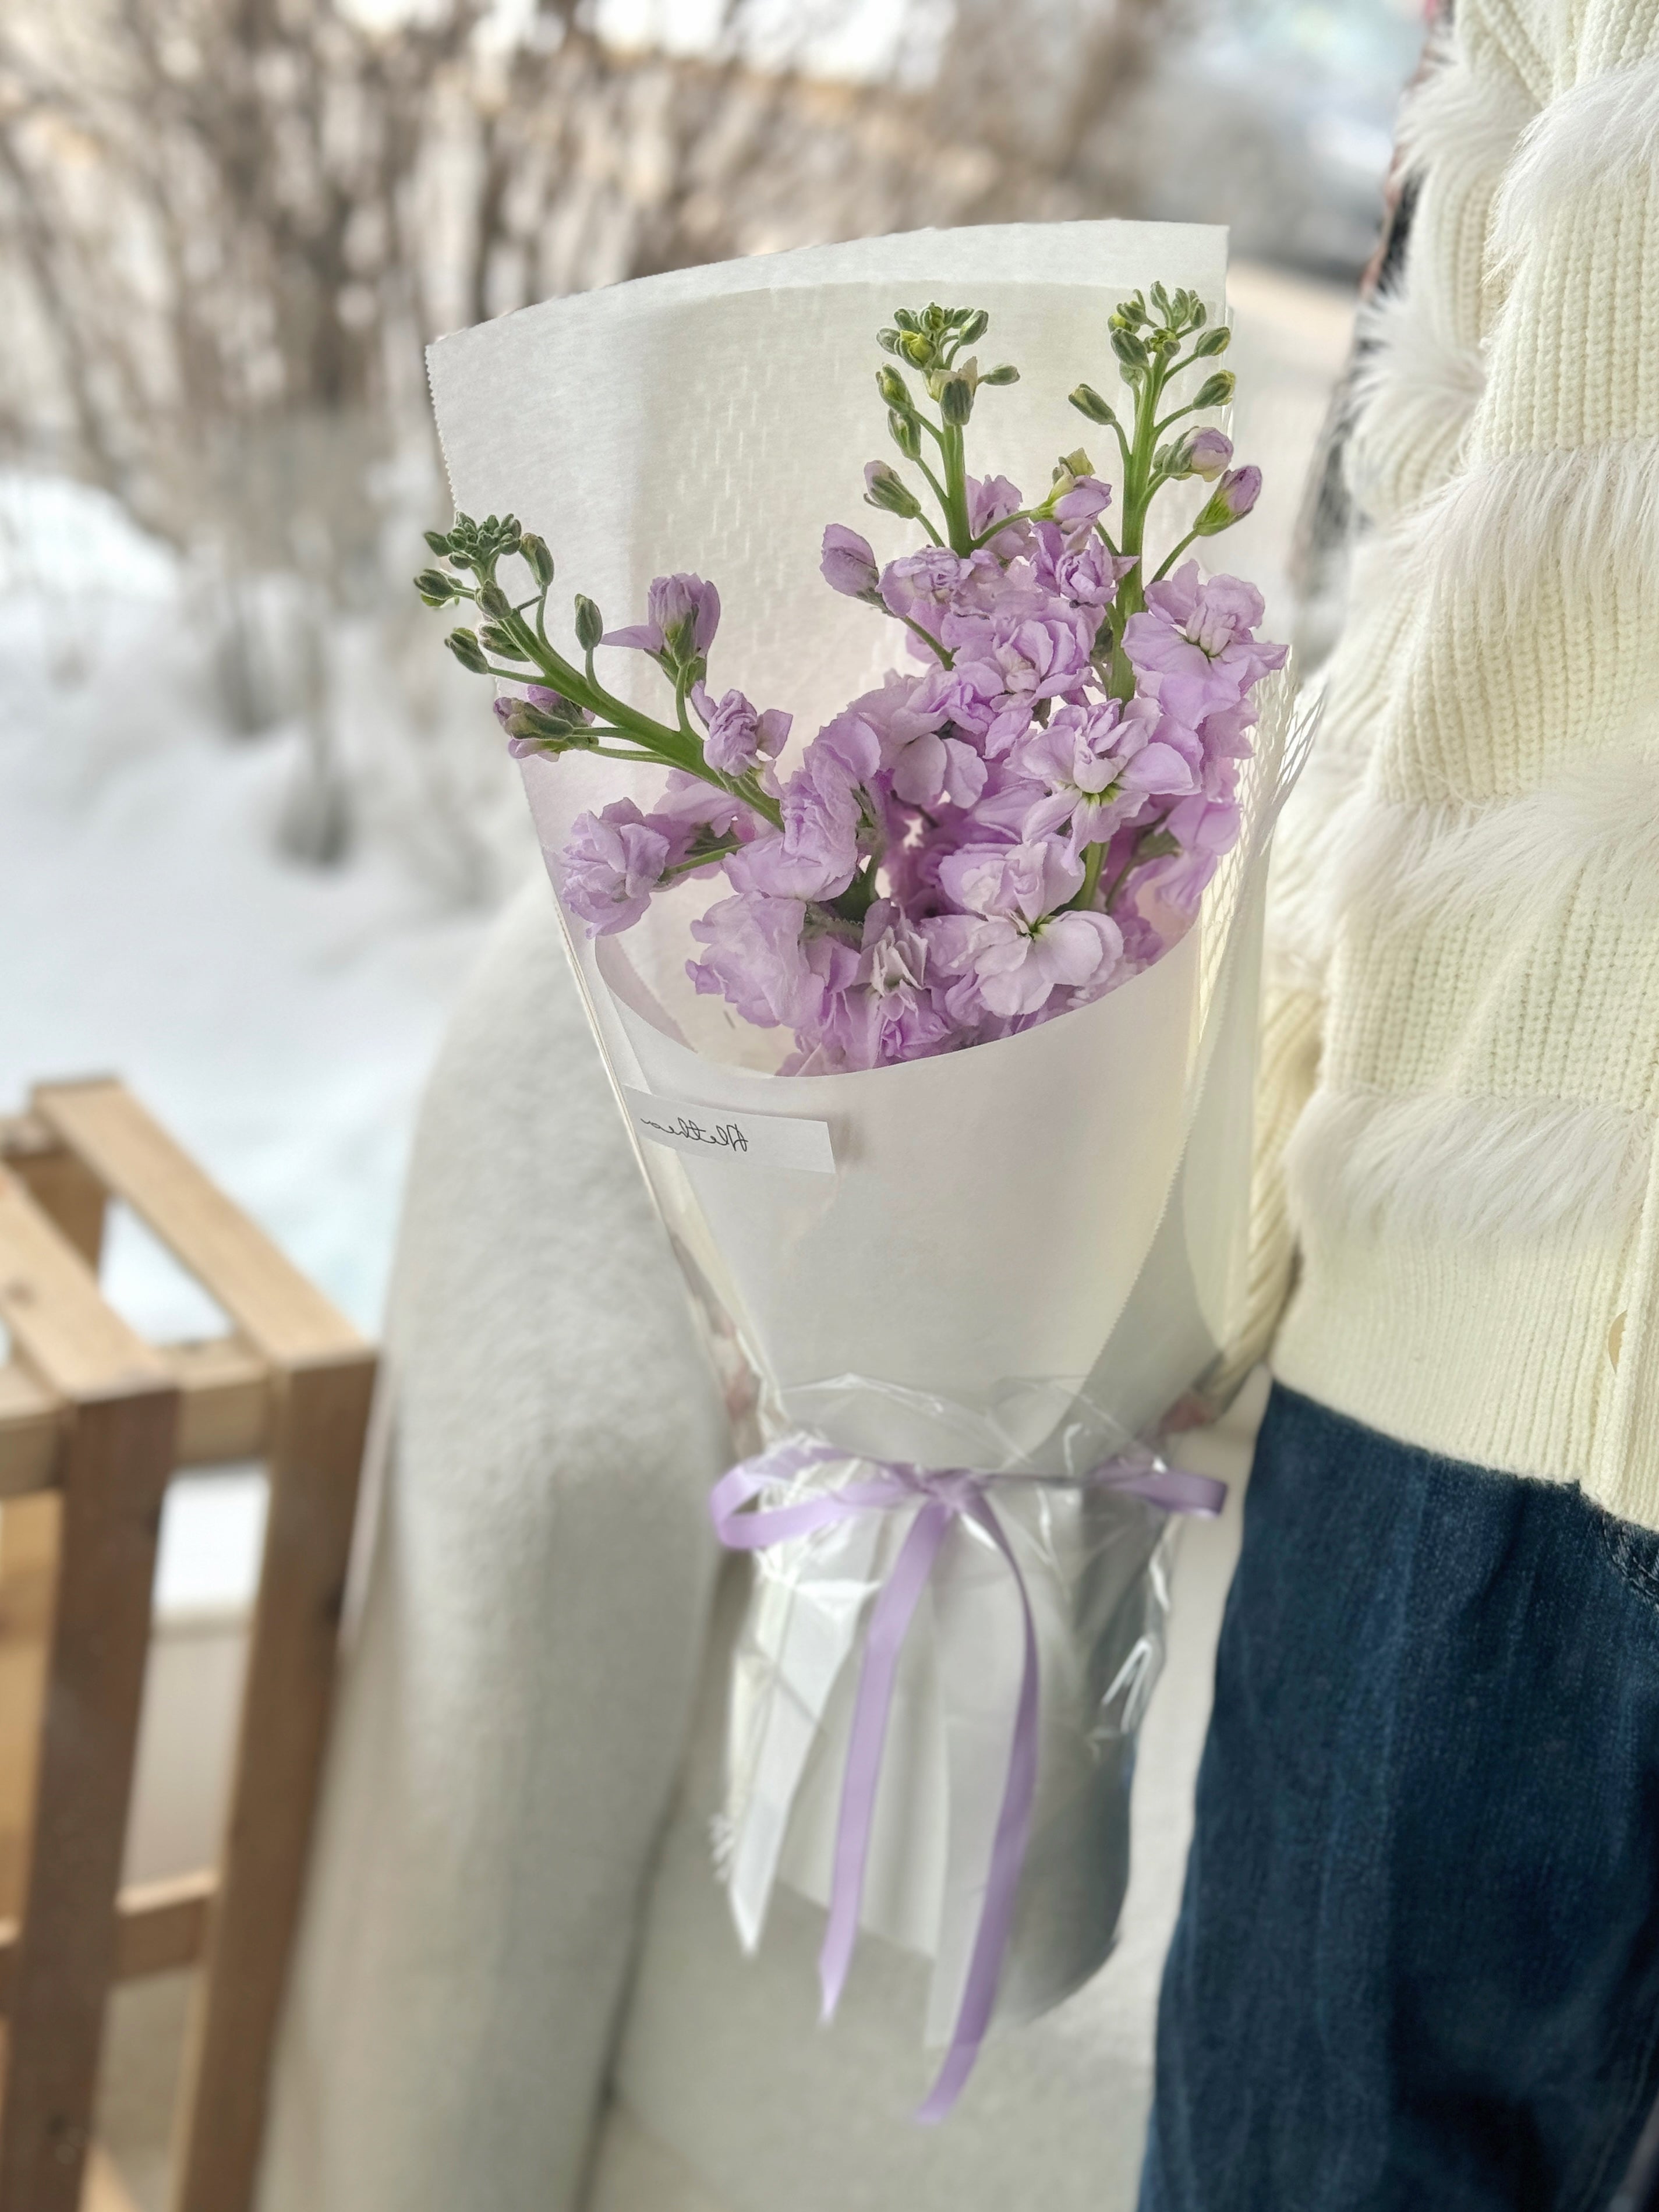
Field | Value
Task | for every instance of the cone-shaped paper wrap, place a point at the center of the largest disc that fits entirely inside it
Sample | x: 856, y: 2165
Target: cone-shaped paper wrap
x: 1012, y: 1259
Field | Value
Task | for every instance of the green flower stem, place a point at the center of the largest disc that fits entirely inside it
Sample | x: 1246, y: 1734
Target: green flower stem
x: 859, y: 895
x: 720, y: 852
x: 669, y: 748
x: 1139, y: 853
x: 1024, y: 515
x: 948, y: 657
x: 1090, y: 885
x: 1142, y: 480
x: 955, y: 491
x: 939, y: 488
x: 1174, y: 556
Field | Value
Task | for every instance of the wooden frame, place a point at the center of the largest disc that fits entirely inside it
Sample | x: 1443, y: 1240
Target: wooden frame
x: 93, y: 1422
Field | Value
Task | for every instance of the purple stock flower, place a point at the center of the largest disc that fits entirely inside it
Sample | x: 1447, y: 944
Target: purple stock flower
x: 921, y: 588
x: 1025, y: 943
x: 1006, y: 664
x: 848, y: 564
x: 1196, y: 642
x: 1167, y: 890
x: 989, y: 500
x: 923, y: 767
x: 1082, y: 504
x: 890, y: 1011
x: 1085, y: 573
x: 762, y: 961
x: 682, y: 613
x: 1100, y: 766
x: 691, y: 805
x: 611, y: 863
x: 737, y: 735
x: 815, y: 854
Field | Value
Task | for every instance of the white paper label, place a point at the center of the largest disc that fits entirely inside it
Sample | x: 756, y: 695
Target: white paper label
x: 762, y: 1141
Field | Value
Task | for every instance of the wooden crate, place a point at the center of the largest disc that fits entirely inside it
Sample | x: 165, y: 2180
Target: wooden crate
x: 93, y: 1421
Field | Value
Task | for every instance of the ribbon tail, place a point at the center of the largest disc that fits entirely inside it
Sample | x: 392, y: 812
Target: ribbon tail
x: 890, y: 1623
x: 1008, y: 1847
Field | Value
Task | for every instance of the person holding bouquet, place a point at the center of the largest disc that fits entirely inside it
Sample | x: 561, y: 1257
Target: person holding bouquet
x: 1418, y: 1959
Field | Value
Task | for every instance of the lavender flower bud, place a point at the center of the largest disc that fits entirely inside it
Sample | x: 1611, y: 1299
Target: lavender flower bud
x: 1130, y: 351
x: 906, y: 434
x: 463, y: 644
x: 493, y: 601
x: 537, y: 559
x: 438, y: 540
x: 1231, y: 500
x: 1087, y: 401
x: 590, y: 623
x: 436, y: 588
x: 849, y: 565
x: 1216, y: 390
x: 499, y: 641
x: 1212, y: 341
x: 885, y: 487
x: 956, y: 400
x: 1205, y: 454
x: 1004, y: 374
x: 975, y: 327
x: 894, y: 391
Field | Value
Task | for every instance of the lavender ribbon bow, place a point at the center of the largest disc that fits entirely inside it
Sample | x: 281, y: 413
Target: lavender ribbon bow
x: 942, y: 1497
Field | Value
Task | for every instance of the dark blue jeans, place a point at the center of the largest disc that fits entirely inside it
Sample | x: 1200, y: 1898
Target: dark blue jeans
x: 1417, y: 1965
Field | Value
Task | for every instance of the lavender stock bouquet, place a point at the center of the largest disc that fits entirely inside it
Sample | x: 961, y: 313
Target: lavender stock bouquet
x: 934, y: 1031
x: 1001, y: 834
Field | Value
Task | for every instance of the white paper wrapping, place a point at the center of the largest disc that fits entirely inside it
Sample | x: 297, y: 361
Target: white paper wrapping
x: 1061, y: 1212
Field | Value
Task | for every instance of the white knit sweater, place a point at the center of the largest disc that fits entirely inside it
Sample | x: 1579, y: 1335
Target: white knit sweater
x: 1458, y: 1186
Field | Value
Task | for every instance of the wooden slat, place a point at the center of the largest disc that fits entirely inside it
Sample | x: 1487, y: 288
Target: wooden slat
x: 31, y: 1432
x: 317, y: 1452
x: 60, y: 1182
x: 282, y: 1314
x: 225, y: 1413
x: 29, y: 1576
x: 225, y: 1401
x: 49, y: 1302
x: 159, y: 1926
x: 119, y: 1457
x: 103, y: 2190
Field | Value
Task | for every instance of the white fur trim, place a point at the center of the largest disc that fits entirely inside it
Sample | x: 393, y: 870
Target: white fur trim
x: 1429, y: 1161
x: 1400, y: 349
x: 1459, y: 118
x: 1414, y: 392
x: 1506, y: 527
x: 1599, y: 136
x: 1603, y: 818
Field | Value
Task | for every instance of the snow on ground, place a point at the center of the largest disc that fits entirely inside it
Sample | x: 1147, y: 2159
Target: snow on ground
x: 280, y: 1019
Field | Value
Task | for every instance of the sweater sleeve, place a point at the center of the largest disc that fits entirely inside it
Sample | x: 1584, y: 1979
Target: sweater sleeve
x: 1417, y: 384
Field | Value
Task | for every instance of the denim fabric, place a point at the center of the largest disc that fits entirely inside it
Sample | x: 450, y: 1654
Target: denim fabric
x: 1417, y: 1964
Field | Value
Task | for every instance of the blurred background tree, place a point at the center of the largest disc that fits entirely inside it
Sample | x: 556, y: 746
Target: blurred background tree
x: 228, y: 228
